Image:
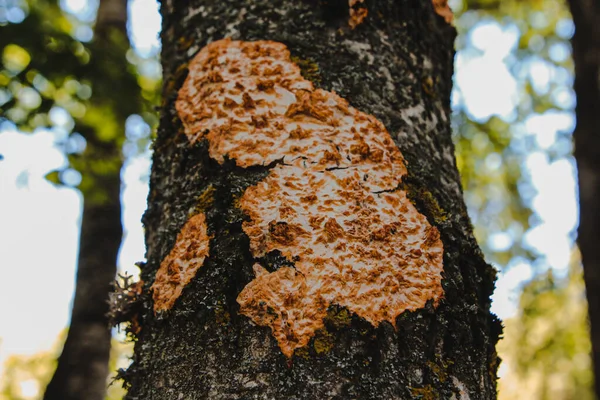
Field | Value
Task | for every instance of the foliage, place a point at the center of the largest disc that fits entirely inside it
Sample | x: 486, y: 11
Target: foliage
x: 547, y: 348
x: 492, y: 151
x: 25, y: 377
x: 94, y: 93
x: 54, y: 75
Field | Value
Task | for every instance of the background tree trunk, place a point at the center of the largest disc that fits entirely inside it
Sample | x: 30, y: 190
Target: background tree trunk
x: 396, y: 65
x: 82, y: 369
x: 586, y: 54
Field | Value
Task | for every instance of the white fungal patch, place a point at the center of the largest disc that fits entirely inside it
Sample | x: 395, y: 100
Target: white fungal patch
x: 332, y: 206
x: 362, y: 50
x: 416, y: 111
x: 462, y: 389
x: 180, y: 266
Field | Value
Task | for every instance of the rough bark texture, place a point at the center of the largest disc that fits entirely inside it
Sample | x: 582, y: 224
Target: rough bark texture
x: 586, y: 54
x: 396, y: 65
x: 82, y: 369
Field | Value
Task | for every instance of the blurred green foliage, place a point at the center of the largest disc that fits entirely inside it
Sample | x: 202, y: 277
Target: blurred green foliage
x: 95, y: 94
x: 25, y: 377
x: 492, y: 152
x: 546, y: 349
x: 55, y: 75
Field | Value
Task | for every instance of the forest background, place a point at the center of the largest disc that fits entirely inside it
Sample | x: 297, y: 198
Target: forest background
x: 513, y: 117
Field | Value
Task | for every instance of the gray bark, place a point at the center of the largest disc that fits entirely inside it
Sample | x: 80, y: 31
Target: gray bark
x: 397, y: 65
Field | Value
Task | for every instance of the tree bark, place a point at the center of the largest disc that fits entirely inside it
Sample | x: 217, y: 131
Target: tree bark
x: 586, y: 54
x: 396, y: 65
x: 82, y: 369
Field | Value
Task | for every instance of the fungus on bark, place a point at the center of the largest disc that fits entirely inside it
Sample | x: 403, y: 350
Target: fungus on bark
x: 442, y: 8
x: 358, y: 13
x: 333, y: 205
x: 179, y: 267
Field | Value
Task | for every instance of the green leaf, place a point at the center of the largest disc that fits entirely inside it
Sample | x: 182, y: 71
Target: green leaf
x: 54, y: 177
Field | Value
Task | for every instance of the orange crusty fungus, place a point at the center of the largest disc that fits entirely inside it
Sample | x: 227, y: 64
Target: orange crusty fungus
x: 181, y: 264
x: 357, y: 14
x: 443, y: 9
x: 332, y: 206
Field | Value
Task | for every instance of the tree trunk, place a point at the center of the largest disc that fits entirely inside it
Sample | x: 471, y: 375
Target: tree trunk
x: 586, y: 54
x: 82, y: 369
x: 210, y: 339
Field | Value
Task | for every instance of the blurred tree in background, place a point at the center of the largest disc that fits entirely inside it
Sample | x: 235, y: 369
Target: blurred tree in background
x: 27, y: 376
x: 586, y: 47
x: 546, y: 346
x: 54, y: 75
x: 57, y: 72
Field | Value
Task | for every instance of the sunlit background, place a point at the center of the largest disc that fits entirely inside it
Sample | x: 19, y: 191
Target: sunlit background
x: 513, y: 115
